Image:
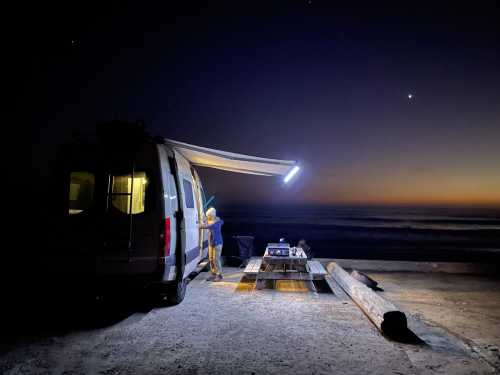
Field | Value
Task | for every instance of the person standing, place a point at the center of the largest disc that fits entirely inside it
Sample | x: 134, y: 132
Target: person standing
x: 214, y: 225
x: 307, y: 249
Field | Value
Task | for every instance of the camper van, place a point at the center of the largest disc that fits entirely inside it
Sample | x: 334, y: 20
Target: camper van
x: 131, y: 204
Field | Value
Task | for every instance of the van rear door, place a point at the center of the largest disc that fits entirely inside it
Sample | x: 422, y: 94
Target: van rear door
x: 122, y: 185
x: 131, y: 224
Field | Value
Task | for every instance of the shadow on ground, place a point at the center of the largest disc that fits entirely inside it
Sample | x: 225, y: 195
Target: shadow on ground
x: 44, y: 311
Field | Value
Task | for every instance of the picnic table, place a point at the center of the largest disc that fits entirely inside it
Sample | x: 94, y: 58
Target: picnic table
x: 295, y: 266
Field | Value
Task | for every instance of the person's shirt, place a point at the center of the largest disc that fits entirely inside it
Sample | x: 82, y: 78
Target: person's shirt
x: 215, y: 236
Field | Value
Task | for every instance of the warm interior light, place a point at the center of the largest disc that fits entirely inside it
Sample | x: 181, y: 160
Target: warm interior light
x: 290, y: 174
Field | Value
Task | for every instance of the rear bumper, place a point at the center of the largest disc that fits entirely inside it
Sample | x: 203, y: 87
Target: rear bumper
x: 76, y: 266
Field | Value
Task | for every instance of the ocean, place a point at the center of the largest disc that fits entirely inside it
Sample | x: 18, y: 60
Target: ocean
x: 399, y: 233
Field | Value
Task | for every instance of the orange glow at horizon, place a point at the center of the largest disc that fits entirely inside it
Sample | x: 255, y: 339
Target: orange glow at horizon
x: 412, y: 188
x: 431, y: 179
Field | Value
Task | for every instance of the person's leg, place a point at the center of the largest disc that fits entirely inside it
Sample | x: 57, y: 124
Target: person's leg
x: 211, y: 259
x: 218, y: 263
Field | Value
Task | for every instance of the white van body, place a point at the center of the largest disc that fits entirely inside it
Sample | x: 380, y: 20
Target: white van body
x: 135, y: 206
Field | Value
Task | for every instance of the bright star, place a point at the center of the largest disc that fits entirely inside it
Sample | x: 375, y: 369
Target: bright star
x: 410, y: 96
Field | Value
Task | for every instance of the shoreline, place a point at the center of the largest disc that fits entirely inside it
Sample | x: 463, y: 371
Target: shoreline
x: 402, y: 244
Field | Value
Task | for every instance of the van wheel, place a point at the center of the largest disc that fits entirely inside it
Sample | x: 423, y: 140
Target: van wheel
x: 178, y: 292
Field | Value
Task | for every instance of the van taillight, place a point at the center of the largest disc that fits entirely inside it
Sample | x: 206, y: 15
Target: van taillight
x: 167, y: 237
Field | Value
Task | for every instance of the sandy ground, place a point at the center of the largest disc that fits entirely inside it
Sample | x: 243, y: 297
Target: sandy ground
x: 230, y: 327
x: 467, y: 306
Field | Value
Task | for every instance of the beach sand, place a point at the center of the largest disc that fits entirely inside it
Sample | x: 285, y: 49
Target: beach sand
x: 465, y: 306
x: 229, y: 327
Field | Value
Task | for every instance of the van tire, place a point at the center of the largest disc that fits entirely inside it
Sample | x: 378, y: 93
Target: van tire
x: 178, y: 292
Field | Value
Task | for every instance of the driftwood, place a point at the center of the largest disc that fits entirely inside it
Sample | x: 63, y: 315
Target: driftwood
x: 365, y: 279
x: 386, y: 317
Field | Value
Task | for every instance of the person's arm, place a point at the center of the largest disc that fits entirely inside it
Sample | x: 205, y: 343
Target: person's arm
x: 207, y: 226
x: 203, y: 223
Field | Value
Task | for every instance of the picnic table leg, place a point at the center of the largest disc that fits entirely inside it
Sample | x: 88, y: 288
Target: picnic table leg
x: 310, y: 282
x: 259, y: 282
x: 271, y: 268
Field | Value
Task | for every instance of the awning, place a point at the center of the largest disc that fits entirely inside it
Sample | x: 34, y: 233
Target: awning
x: 230, y: 161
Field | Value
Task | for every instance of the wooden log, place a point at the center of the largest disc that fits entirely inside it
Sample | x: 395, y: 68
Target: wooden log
x: 386, y: 317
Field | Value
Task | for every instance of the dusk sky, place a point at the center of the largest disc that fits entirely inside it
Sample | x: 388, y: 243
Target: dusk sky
x: 329, y: 87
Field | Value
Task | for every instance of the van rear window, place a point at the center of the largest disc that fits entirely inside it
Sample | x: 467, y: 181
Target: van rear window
x: 129, y: 196
x: 81, y: 191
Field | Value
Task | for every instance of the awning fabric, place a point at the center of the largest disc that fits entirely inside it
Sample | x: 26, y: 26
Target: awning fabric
x: 230, y: 161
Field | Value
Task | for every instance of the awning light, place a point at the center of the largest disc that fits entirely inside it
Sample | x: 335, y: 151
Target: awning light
x: 290, y: 174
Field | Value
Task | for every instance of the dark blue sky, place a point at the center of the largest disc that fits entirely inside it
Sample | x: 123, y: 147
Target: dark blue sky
x: 301, y: 80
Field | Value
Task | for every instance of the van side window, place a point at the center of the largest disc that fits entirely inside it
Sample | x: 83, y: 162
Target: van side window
x: 188, y: 193
x: 81, y: 191
x: 123, y: 187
